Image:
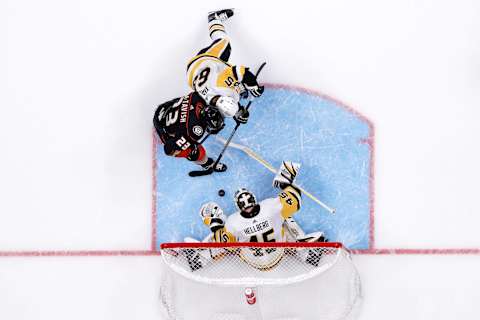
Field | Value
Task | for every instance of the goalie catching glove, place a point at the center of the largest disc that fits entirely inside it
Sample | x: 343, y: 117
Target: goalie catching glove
x: 213, y: 216
x: 286, y: 174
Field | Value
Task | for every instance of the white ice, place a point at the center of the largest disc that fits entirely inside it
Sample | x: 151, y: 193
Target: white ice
x: 79, y: 82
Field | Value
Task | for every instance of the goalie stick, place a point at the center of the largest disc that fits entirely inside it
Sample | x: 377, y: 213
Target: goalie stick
x: 199, y: 173
x: 267, y: 165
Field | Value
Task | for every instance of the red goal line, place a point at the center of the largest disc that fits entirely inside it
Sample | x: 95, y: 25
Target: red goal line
x: 404, y: 251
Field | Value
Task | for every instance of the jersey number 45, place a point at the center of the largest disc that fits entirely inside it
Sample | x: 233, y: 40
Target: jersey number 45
x: 267, y: 236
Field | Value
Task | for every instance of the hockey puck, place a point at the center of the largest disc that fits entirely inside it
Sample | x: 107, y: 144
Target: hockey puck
x: 221, y: 192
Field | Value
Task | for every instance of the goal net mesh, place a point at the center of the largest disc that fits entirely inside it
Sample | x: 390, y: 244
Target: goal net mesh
x: 275, y: 281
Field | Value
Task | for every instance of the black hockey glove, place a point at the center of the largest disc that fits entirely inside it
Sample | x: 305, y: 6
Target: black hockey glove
x: 241, y: 116
x: 256, y: 90
x: 250, y: 83
x: 194, y: 153
x: 215, y: 129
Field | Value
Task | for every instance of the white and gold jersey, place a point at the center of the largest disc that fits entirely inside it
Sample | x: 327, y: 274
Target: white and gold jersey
x: 211, y: 75
x: 267, y: 225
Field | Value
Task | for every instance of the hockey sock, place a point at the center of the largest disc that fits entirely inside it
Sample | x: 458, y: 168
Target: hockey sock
x: 216, y: 30
x: 203, y: 159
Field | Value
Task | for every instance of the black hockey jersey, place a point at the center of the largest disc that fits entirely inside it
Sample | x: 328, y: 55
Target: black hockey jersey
x: 181, y: 117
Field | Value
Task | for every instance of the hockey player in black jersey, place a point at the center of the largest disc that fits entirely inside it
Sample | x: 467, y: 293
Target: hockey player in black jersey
x: 182, y: 122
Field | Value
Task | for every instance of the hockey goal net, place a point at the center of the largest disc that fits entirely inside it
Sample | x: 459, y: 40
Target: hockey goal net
x: 274, y: 281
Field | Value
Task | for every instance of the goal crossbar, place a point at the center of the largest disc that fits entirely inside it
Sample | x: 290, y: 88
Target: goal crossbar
x: 251, y: 244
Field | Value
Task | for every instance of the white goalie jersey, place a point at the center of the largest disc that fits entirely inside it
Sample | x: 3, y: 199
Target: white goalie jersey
x: 267, y: 225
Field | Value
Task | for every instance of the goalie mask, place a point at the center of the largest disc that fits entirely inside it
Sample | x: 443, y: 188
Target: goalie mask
x: 244, y: 200
x: 214, y: 120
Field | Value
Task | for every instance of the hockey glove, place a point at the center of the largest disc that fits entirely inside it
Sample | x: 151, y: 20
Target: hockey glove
x: 250, y: 83
x: 213, y: 216
x: 256, y: 90
x: 195, y: 152
x: 215, y: 130
x: 241, y: 116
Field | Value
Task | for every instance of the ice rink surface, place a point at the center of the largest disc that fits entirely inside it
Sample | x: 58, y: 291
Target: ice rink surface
x: 79, y: 82
x: 328, y: 139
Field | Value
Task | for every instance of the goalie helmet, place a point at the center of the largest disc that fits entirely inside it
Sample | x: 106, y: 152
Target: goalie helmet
x: 214, y: 119
x: 244, y: 199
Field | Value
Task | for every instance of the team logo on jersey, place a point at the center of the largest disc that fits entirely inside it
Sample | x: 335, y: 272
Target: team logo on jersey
x: 197, y: 130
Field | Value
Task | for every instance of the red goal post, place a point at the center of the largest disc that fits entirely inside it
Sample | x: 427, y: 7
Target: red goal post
x: 250, y: 244
x: 277, y: 281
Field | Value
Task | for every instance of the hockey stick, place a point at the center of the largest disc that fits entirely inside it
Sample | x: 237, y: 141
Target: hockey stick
x: 267, y: 165
x: 205, y: 138
x: 199, y: 173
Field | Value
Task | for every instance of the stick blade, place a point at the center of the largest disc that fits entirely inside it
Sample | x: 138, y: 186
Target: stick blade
x: 200, y: 173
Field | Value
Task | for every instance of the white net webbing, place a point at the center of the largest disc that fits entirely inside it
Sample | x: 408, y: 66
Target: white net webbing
x: 289, y: 281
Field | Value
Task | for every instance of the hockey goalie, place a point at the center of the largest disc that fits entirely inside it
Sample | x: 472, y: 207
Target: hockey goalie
x: 270, y: 220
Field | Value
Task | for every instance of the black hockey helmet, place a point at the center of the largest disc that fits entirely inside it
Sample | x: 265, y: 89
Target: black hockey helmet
x: 214, y: 119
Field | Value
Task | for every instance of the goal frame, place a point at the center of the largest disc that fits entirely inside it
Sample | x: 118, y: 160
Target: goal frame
x: 206, y: 245
x: 293, y: 288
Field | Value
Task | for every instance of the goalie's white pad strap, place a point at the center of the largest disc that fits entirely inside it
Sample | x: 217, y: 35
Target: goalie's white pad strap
x: 293, y: 229
x: 311, y: 237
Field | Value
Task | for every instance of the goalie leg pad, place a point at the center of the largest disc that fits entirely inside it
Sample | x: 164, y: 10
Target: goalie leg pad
x: 313, y: 255
x: 194, y: 259
x: 293, y: 230
x: 317, y: 236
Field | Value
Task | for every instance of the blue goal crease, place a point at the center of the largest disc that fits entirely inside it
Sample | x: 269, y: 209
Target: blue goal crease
x: 285, y: 124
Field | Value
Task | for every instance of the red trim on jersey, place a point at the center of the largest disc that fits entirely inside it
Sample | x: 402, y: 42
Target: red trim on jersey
x: 198, y: 109
x: 202, y: 153
x: 183, y: 153
x: 186, y: 153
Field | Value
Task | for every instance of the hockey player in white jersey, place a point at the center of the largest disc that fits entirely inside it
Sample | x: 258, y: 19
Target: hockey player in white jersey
x: 270, y: 220
x: 219, y: 82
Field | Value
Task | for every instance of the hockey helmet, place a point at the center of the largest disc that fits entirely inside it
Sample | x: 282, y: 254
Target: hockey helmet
x: 244, y: 199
